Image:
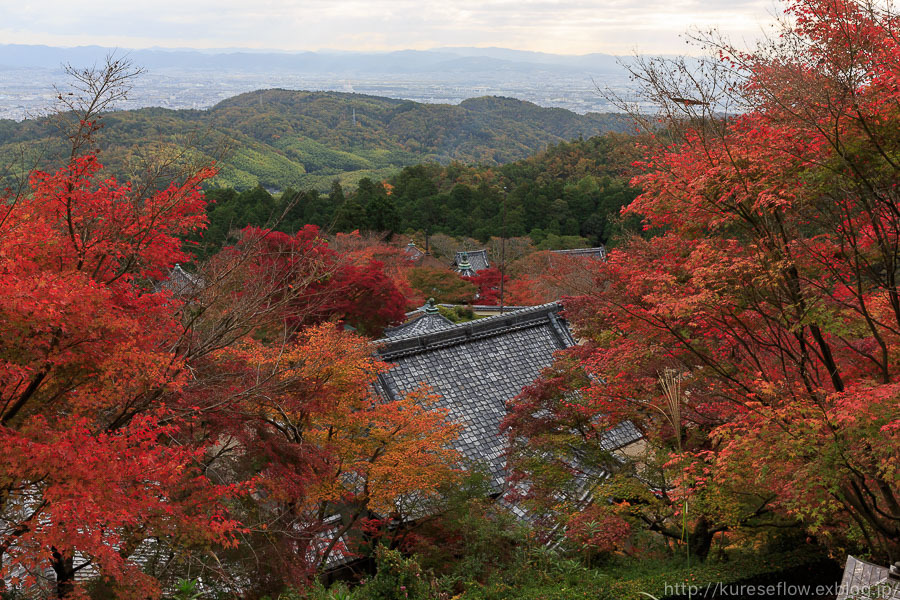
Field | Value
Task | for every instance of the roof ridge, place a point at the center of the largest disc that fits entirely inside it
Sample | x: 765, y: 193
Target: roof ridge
x: 462, y: 332
x: 413, y: 320
x: 507, y: 307
x: 518, y: 311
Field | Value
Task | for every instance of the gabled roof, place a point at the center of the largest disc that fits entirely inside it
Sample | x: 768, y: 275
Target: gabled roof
x: 180, y: 282
x: 477, y: 260
x: 872, y: 582
x: 424, y: 320
x: 475, y: 368
x: 598, y: 253
x: 412, y: 251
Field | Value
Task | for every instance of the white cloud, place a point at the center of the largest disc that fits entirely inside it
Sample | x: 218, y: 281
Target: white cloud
x: 562, y: 26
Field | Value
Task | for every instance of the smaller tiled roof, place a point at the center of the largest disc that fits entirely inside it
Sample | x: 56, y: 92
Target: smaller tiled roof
x: 872, y: 582
x: 180, y: 282
x: 469, y: 262
x: 598, y: 253
x: 340, y: 553
x: 425, y: 320
x: 621, y: 435
x: 412, y: 251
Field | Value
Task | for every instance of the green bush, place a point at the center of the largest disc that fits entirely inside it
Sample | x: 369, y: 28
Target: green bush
x: 397, y: 578
x: 631, y: 578
x: 535, y: 572
x: 318, y: 591
x: 458, y: 314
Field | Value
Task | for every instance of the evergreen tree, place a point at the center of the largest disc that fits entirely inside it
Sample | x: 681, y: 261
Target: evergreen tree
x: 350, y: 215
x: 257, y: 206
x: 317, y: 209
x: 381, y: 213
x: 291, y: 208
x: 336, y: 196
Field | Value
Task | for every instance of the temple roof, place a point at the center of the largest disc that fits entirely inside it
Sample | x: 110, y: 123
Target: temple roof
x: 424, y: 320
x: 865, y: 580
x: 412, y: 251
x: 469, y: 262
x: 475, y: 368
x: 180, y: 282
x: 599, y: 252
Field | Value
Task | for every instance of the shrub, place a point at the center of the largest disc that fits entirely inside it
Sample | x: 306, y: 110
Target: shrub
x: 396, y: 578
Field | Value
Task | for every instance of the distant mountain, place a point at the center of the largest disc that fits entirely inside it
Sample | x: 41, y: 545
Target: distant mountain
x: 600, y: 63
x: 16, y: 56
x: 281, y: 138
x: 197, y: 79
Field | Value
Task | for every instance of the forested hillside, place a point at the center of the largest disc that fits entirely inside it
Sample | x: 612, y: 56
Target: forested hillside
x: 568, y: 195
x: 279, y: 138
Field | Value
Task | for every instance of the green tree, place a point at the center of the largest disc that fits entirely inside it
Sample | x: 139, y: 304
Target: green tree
x: 381, y: 214
x: 350, y: 216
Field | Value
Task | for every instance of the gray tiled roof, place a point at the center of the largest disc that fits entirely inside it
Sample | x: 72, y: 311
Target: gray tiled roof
x: 180, y: 282
x: 477, y: 258
x: 621, y: 435
x: 340, y: 554
x: 865, y: 580
x: 599, y: 252
x: 424, y: 323
x: 412, y: 252
x: 475, y: 368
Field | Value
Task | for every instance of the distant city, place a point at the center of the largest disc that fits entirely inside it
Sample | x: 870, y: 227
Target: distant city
x: 197, y: 80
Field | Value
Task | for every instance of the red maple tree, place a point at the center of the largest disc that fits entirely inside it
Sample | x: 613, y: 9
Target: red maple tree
x: 767, y: 285
x: 87, y: 478
x: 137, y: 415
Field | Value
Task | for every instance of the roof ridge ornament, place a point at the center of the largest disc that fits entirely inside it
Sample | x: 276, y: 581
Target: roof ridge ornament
x: 431, y: 308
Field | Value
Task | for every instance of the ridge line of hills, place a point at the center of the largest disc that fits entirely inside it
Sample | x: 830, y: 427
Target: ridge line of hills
x: 280, y: 138
x: 17, y: 56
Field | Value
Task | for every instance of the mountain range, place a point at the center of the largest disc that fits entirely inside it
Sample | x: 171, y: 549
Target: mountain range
x: 17, y: 56
x: 198, y: 79
x: 282, y: 138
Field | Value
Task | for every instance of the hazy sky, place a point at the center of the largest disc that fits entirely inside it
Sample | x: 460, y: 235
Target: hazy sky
x: 559, y: 26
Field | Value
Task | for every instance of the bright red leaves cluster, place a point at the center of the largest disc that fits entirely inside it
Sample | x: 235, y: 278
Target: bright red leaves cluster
x: 770, y: 288
x: 351, y: 288
x: 138, y: 420
x: 488, y: 283
x: 84, y: 351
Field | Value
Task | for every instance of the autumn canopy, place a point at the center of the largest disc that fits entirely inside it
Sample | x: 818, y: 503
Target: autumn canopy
x: 222, y: 417
x: 753, y: 331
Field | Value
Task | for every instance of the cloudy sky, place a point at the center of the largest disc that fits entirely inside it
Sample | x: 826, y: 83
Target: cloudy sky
x: 558, y: 26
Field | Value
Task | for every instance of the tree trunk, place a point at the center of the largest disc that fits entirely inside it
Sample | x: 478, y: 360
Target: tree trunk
x: 701, y: 539
x: 64, y: 567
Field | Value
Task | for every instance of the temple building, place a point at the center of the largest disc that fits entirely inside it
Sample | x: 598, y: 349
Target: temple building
x: 412, y: 252
x: 468, y: 263
x: 598, y: 253
x: 424, y: 320
x: 475, y: 368
x: 872, y: 582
